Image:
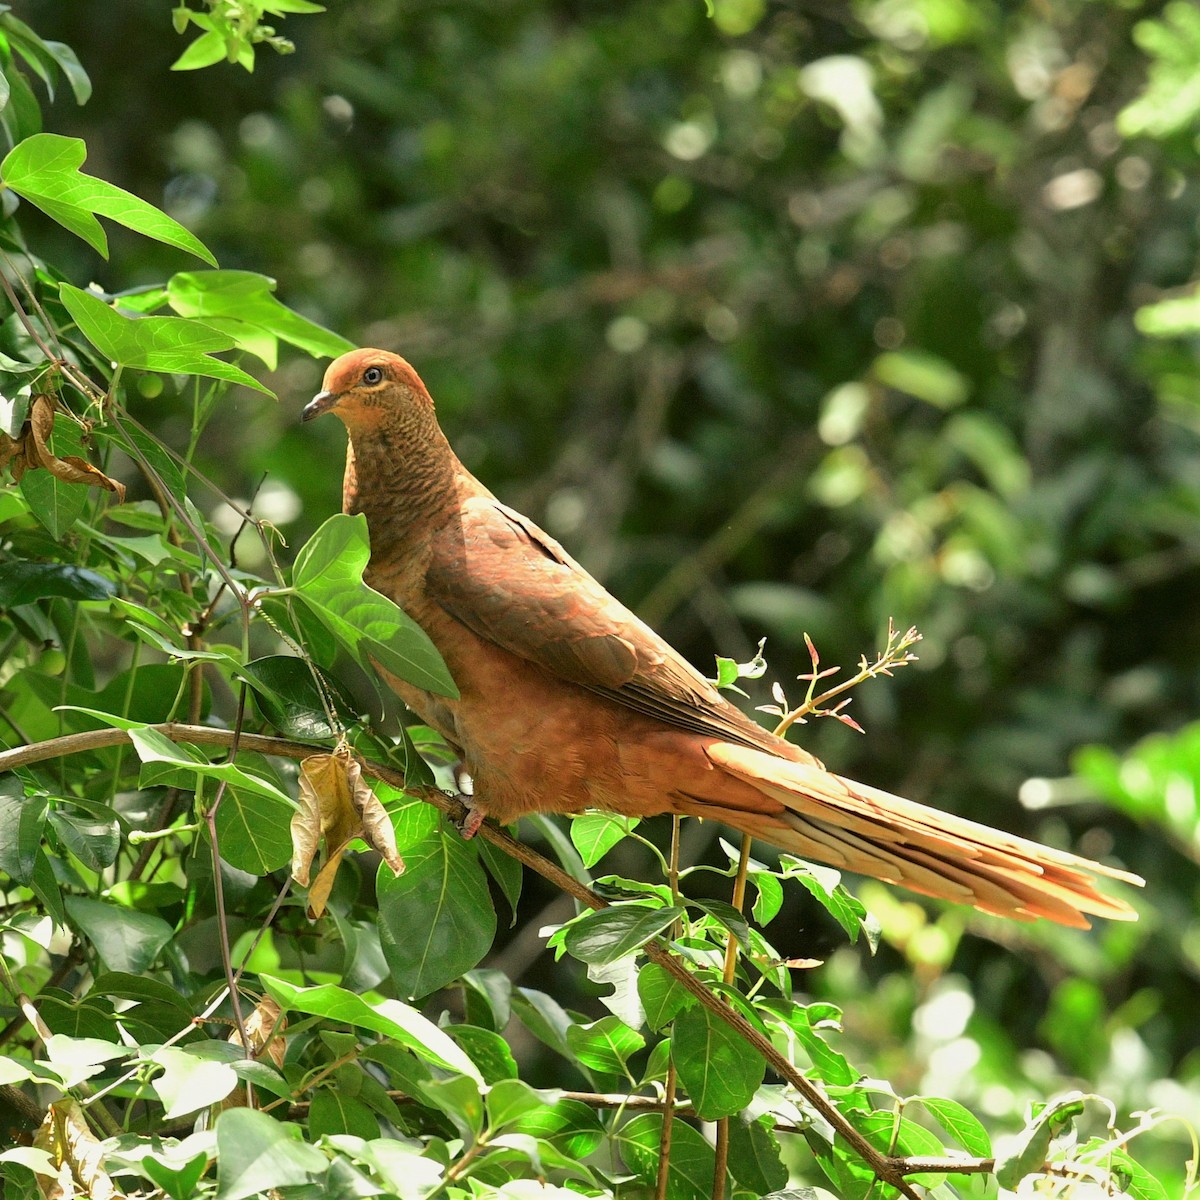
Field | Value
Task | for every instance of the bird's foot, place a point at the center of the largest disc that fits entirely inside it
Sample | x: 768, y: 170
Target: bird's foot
x: 473, y: 818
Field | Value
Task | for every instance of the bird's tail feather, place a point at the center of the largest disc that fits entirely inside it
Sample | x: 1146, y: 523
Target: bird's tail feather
x: 870, y: 832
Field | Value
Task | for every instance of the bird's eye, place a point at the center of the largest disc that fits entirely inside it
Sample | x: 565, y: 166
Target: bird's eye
x: 373, y: 375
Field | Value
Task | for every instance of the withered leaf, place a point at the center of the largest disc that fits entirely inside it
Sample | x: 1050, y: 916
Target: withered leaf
x: 31, y: 450
x: 65, y: 1136
x: 337, y: 806
x: 264, y: 1027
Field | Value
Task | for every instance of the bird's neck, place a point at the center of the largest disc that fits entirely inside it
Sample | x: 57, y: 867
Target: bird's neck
x: 403, y: 479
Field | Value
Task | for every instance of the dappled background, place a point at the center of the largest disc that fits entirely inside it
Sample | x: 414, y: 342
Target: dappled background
x: 789, y: 318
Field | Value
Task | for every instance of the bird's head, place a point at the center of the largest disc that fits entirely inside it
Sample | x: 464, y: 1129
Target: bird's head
x: 369, y: 388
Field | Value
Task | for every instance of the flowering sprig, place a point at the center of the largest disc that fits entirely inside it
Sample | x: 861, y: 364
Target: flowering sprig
x: 894, y: 654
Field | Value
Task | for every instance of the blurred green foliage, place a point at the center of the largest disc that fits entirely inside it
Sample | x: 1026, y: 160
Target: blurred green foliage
x: 792, y: 318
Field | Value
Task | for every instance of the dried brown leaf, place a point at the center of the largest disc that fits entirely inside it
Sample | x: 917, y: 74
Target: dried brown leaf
x: 32, y: 450
x: 265, y: 1022
x: 65, y: 1136
x: 337, y: 806
x: 318, y: 894
x: 377, y: 829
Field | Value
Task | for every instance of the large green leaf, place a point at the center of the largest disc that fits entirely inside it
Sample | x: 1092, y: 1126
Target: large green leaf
x: 603, y: 937
x: 44, y: 169
x: 690, y: 1173
x: 154, y: 747
x: 605, y: 1045
x: 286, y: 692
x: 717, y: 1069
x: 328, y: 578
x: 126, y: 940
x: 24, y: 582
x: 754, y: 1157
x: 436, y: 920
x: 189, y: 1082
x: 391, y: 1018
x: 254, y: 831
x: 171, y: 345
x: 22, y: 819
x: 256, y: 1153
x: 243, y: 305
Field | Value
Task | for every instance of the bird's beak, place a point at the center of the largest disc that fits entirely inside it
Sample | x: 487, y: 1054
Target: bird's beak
x: 321, y: 402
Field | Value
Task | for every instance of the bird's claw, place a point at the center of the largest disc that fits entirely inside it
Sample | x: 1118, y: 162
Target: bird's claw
x: 472, y: 819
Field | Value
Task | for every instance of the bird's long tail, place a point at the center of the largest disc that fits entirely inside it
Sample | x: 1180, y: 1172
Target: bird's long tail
x: 870, y: 832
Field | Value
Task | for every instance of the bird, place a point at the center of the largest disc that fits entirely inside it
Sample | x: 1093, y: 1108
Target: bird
x: 568, y: 701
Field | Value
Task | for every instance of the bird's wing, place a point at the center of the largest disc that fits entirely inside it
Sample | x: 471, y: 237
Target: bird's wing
x: 511, y: 583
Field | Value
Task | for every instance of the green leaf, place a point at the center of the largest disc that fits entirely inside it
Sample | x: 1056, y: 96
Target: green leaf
x: 487, y: 997
x: 605, y: 1045
x: 488, y: 1051
x: 78, y: 1058
x: 663, y: 997
x: 823, y: 883
x: 152, y: 746
x: 509, y: 1100
x: 505, y: 870
x: 169, y: 1006
x: 961, y: 1124
x: 125, y: 940
x: 334, y: 1112
x: 436, y: 920
x: 1170, y: 103
x: 243, y: 304
x: 256, y: 1153
x: 206, y: 51
x: 169, y: 345
x: 690, y: 1173
x: 287, y: 694
x: 71, y: 67
x: 254, y: 831
x: 894, y: 1134
x: 719, y: 1071
x: 22, y: 819
x: 923, y: 375
x: 189, y: 1082
x: 611, y: 933
x: 23, y: 582
x: 596, y: 833
x: 754, y: 1157
x: 769, y: 900
x: 328, y: 577
x: 44, y: 169
x: 391, y: 1018
x: 175, y: 1173
x: 93, y: 841
x: 800, y: 1021
x: 571, y: 1125
x: 544, y: 1017
x: 459, y: 1099
x: 1027, y: 1152
x: 45, y: 887
x: 724, y: 912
